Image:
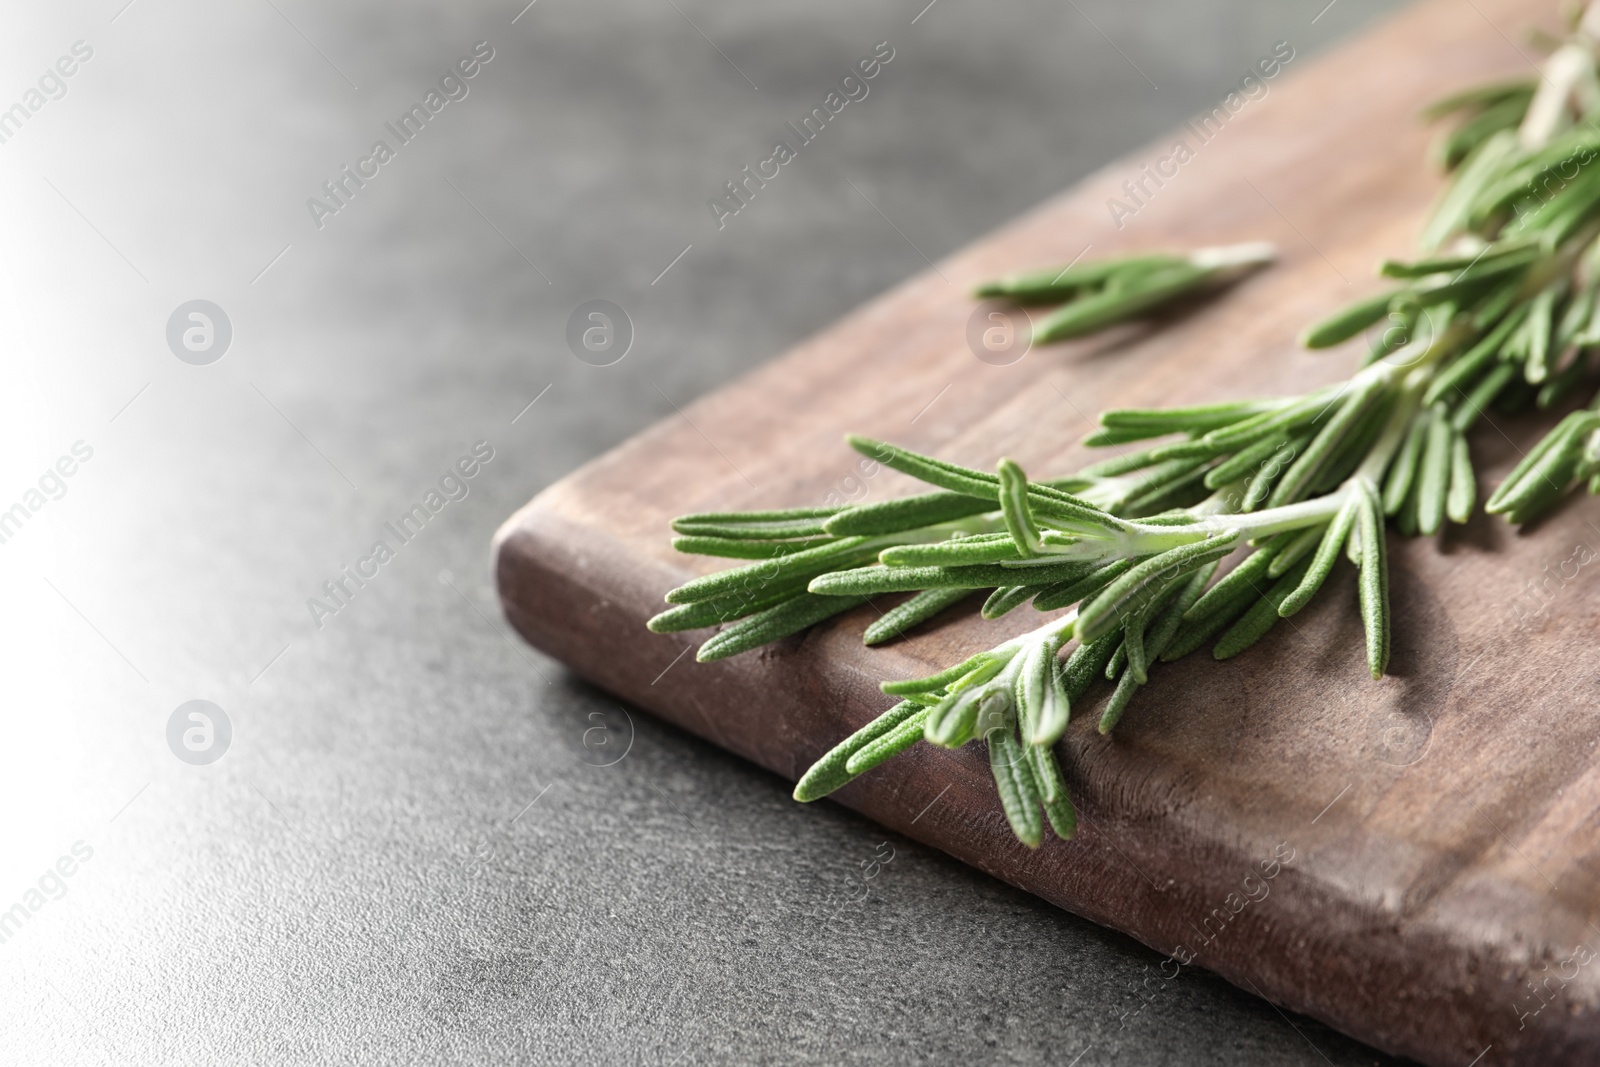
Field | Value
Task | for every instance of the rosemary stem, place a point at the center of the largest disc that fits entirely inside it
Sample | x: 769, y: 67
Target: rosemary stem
x: 1234, y: 257
x: 1056, y: 630
x: 1257, y: 524
x: 1562, y: 72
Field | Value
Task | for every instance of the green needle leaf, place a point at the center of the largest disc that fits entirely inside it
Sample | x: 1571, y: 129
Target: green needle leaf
x: 1015, y: 510
x: 1103, y: 438
x: 1565, y: 381
x: 1053, y: 792
x: 1455, y: 208
x: 1053, y: 285
x: 722, y: 609
x: 906, y: 513
x: 1117, y: 465
x: 1193, y: 633
x: 1507, y: 114
x: 1004, y: 599
x: 1133, y: 648
x: 1245, y: 462
x: 1119, y: 658
x: 1521, y: 251
x: 950, y: 476
x: 1137, y: 644
x: 1463, y: 485
x: 1358, y: 443
x: 1065, y: 593
x: 1305, y: 541
x: 1288, y: 417
x: 1158, y: 422
x: 889, y: 745
x: 1328, y: 549
x: 1047, y: 501
x: 1161, y: 477
x: 1192, y: 449
x: 1140, y: 646
x: 1467, y: 367
x: 1054, y: 711
x: 1111, y: 714
x: 975, y: 670
x: 915, y: 611
x: 787, y: 618
x: 1092, y: 313
x: 1403, y: 470
x: 1374, y: 583
x: 1160, y: 636
x: 1088, y: 663
x: 1043, y: 704
x: 1434, y: 477
x: 829, y: 772
x: 794, y: 567
x: 1243, y: 580
x: 1105, y: 612
x: 1546, y: 471
x: 734, y: 548
x: 867, y: 581
x: 1540, y: 328
x: 1296, y: 482
x: 1405, y: 522
x: 1156, y: 644
x: 954, y: 720
x: 1263, y: 614
x: 1347, y: 322
x: 1573, y: 320
x: 1483, y: 395
x: 1019, y: 794
x: 956, y: 552
x: 755, y: 525
x: 1266, y: 476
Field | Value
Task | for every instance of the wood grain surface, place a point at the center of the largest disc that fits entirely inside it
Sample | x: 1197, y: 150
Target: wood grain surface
x: 1431, y: 838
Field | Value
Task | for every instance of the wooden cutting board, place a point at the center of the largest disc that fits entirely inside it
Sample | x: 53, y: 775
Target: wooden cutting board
x: 1431, y: 838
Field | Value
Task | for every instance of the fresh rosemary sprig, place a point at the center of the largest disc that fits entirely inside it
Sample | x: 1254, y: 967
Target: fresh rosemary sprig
x: 1502, y: 310
x: 1100, y: 293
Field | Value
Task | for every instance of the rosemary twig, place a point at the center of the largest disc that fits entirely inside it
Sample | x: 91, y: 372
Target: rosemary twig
x: 1502, y: 310
x: 1101, y: 293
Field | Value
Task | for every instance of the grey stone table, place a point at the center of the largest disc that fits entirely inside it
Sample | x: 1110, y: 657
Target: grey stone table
x: 392, y: 832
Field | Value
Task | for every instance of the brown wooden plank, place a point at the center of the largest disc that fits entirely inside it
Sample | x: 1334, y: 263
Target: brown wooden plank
x: 1441, y: 822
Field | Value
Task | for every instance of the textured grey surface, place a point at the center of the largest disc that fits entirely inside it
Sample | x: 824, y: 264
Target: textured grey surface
x: 408, y: 851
